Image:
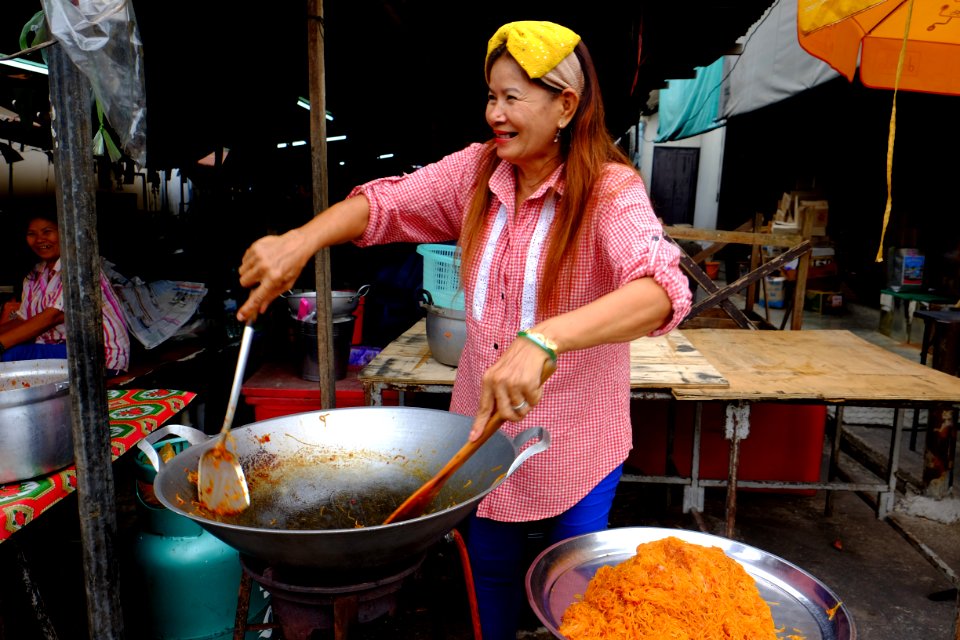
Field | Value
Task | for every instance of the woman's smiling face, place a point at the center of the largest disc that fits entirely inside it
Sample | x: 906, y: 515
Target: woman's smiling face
x: 522, y: 114
x: 43, y: 238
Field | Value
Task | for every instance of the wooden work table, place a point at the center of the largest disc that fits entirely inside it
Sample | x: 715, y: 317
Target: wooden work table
x: 813, y: 366
x: 824, y: 367
x: 737, y: 368
x: 656, y: 365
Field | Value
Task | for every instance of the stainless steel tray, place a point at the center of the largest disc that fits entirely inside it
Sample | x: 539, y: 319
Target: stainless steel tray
x: 798, y: 600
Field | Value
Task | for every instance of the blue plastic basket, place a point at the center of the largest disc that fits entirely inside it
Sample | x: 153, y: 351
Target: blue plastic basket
x: 441, y: 274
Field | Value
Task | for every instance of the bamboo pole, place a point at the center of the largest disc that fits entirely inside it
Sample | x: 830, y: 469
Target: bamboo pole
x: 318, y: 159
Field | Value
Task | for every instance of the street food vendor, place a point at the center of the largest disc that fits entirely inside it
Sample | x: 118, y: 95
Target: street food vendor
x: 35, y: 330
x: 563, y: 259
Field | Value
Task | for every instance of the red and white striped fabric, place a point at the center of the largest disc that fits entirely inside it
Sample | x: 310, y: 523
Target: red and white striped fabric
x: 43, y: 289
x: 586, y: 403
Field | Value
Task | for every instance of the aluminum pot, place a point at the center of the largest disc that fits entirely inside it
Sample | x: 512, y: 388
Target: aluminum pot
x: 35, y: 433
x: 342, y: 303
x: 446, y: 331
x: 353, y: 466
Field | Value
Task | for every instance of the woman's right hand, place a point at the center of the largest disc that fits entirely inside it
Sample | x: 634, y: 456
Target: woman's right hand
x: 270, y: 267
x: 272, y: 264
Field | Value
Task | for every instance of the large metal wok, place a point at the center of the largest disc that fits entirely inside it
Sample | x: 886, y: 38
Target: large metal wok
x: 322, y: 482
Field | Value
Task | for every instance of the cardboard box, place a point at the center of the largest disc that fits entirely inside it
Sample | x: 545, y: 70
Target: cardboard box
x: 794, y: 207
x: 907, y: 269
x: 819, y: 210
x: 823, y: 301
x: 822, y: 265
x: 774, y: 290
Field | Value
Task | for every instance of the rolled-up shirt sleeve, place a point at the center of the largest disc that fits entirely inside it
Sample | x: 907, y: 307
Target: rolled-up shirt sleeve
x: 635, y: 246
x: 427, y: 205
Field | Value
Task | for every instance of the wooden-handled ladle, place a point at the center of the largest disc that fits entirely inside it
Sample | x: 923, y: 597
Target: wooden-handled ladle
x: 416, y: 504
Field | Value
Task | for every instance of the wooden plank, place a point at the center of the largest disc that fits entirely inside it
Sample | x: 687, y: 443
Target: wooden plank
x: 819, y: 366
x: 712, y: 289
x: 407, y: 360
x: 734, y: 237
x: 662, y: 362
x: 719, y: 295
x: 800, y: 288
x: 716, y: 246
x: 670, y: 361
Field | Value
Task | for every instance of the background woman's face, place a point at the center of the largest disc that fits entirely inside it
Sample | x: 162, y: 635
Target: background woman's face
x: 43, y: 238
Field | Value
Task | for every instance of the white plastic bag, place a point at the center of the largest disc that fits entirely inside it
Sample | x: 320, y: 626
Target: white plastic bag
x: 102, y: 39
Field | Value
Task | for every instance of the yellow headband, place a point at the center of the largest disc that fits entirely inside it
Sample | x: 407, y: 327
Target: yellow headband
x: 538, y: 47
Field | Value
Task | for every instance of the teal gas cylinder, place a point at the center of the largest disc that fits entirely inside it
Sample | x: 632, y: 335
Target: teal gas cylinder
x: 184, y: 579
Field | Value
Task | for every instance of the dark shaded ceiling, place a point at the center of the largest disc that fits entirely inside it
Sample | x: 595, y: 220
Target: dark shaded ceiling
x: 402, y: 76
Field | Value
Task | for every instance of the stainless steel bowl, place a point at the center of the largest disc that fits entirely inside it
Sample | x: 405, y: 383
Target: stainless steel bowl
x: 35, y: 432
x: 446, y: 331
x: 343, y: 303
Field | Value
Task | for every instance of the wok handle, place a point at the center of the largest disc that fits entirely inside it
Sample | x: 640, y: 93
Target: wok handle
x: 191, y: 435
x: 415, y: 505
x: 522, y: 438
x: 493, y: 424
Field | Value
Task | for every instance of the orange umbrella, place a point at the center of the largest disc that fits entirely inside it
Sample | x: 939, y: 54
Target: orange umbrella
x: 901, y: 44
x: 837, y: 30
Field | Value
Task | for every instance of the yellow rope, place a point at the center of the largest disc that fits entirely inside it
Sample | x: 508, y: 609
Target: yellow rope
x: 893, y: 131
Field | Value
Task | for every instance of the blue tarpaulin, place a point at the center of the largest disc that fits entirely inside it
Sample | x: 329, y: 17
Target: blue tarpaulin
x: 690, y: 107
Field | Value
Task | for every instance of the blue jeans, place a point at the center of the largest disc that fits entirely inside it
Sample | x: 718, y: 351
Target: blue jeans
x: 501, y: 552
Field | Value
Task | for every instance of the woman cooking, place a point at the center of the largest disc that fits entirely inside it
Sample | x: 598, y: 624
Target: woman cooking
x: 562, y: 259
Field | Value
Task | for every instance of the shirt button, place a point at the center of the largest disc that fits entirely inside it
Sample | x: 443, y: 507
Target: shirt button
x: 502, y: 296
x: 495, y: 346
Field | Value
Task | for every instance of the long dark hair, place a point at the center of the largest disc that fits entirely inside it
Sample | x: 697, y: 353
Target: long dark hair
x: 40, y: 214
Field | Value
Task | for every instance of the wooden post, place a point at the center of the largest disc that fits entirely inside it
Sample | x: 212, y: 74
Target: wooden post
x: 318, y: 159
x: 755, y: 261
x: 803, y: 267
x: 70, y: 102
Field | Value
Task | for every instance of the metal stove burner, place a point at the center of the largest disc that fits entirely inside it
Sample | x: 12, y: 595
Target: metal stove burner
x: 305, y: 601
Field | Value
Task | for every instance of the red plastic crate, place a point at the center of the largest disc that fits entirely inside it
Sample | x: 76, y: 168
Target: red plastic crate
x: 785, y: 442
x: 278, y: 390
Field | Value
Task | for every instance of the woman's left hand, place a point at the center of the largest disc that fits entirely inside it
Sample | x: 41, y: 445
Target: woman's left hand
x: 512, y: 386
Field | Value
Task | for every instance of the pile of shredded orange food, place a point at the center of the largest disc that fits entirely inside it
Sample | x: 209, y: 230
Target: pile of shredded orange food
x: 673, y: 590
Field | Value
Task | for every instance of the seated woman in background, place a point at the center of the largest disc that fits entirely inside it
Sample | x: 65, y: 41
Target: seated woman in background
x: 36, y: 330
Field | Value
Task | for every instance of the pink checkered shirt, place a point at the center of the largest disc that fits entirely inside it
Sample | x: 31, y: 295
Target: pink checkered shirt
x: 43, y: 289
x: 586, y: 403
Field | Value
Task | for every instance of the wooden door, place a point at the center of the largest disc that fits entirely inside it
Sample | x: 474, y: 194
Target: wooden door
x: 673, y: 187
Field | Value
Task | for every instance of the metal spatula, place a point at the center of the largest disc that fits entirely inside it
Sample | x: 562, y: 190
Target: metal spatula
x: 221, y: 485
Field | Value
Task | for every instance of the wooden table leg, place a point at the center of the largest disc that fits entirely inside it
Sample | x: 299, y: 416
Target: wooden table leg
x: 373, y: 394
x: 834, y: 464
x: 737, y: 429
x: 693, y: 493
x: 885, y: 499
x: 928, y: 331
x: 43, y: 620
